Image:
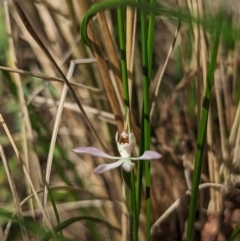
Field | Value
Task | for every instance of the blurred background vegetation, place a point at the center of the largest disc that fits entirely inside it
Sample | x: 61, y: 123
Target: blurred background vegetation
x: 30, y: 90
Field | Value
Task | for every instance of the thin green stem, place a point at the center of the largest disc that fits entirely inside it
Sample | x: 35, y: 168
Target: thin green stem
x: 146, y: 111
x: 135, y: 227
x: 122, y: 43
x: 203, y: 128
x: 55, y: 212
x: 150, y: 35
x: 129, y: 201
x: 140, y: 167
x: 151, y: 24
x: 127, y: 177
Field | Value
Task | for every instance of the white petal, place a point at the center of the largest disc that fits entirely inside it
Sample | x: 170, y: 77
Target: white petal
x: 126, y: 149
x: 105, y: 167
x: 148, y: 155
x: 132, y: 139
x: 128, y: 165
x: 94, y: 152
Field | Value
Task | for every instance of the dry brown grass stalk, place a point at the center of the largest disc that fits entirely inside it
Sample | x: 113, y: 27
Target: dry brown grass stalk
x: 25, y: 171
x: 14, y: 194
x: 103, y: 68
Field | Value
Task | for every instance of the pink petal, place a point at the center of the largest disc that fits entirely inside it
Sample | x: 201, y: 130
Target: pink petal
x: 148, y: 155
x: 128, y: 165
x: 105, y: 167
x: 94, y: 152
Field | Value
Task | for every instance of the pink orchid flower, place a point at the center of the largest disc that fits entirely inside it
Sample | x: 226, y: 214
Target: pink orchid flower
x: 125, y: 146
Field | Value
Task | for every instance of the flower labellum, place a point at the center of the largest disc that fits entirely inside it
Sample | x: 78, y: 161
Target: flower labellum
x: 125, y: 144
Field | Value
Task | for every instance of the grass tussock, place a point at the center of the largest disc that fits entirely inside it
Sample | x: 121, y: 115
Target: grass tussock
x: 171, y: 69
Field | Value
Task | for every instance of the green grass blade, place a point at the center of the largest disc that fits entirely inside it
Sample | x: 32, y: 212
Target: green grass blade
x: 142, y: 6
x: 122, y: 43
x: 151, y: 25
x: 150, y: 35
x: 31, y: 226
x: 203, y: 128
x: 146, y: 112
x: 235, y: 233
x: 70, y: 221
x: 55, y: 212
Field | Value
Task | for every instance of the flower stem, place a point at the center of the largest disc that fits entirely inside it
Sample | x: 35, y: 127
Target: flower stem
x: 129, y: 194
x: 146, y: 112
x: 122, y: 44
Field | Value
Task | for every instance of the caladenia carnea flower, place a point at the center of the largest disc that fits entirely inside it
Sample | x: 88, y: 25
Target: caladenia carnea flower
x: 125, y: 145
